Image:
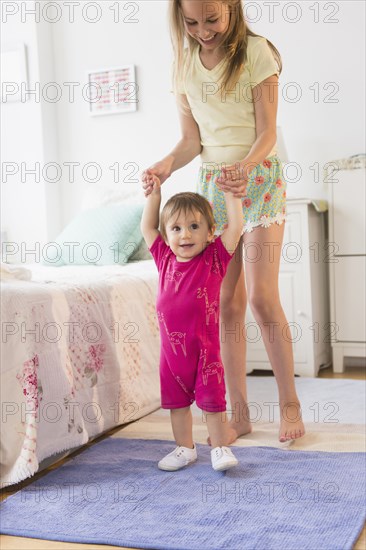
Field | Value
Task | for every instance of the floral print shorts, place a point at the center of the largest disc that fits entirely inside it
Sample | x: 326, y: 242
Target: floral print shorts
x: 265, y: 200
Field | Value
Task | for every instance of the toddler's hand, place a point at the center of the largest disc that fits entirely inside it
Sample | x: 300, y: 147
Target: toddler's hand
x: 234, y: 178
x: 150, y: 182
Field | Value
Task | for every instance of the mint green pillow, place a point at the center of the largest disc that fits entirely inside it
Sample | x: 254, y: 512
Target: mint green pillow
x: 99, y: 236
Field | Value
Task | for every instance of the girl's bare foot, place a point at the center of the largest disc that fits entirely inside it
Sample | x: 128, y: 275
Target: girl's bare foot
x: 291, y: 424
x: 235, y: 430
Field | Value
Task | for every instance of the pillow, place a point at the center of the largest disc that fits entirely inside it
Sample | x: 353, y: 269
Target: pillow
x: 98, y: 236
x: 96, y: 195
x: 142, y: 253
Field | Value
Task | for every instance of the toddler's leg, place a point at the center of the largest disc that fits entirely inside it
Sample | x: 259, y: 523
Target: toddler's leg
x: 185, y: 453
x: 222, y: 457
x: 181, y: 420
x: 218, y: 428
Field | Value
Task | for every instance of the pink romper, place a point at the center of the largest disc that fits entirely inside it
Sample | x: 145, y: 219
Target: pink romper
x: 188, y: 314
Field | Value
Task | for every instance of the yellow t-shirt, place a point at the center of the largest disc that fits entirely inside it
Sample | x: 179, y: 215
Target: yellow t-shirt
x: 227, y: 124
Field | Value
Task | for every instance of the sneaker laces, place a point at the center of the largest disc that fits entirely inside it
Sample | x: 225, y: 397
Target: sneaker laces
x: 180, y: 451
x: 218, y: 452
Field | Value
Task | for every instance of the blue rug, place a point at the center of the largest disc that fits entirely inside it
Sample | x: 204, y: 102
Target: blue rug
x: 113, y: 493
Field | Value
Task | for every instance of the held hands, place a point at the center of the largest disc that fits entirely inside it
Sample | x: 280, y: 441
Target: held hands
x: 234, y: 178
x: 150, y: 182
x: 161, y: 170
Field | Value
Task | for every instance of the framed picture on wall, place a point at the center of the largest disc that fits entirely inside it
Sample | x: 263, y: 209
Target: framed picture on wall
x: 112, y: 91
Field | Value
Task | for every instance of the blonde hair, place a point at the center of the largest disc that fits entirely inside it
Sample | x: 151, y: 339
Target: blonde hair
x: 186, y: 202
x: 235, y: 44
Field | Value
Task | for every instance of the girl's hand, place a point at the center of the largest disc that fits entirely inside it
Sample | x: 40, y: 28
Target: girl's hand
x: 151, y: 182
x: 160, y: 169
x: 234, y: 178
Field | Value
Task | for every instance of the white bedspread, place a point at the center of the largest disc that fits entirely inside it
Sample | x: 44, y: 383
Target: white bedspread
x: 80, y: 355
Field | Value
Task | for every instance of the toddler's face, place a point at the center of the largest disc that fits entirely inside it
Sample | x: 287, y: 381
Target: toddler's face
x: 188, y: 235
x: 206, y: 22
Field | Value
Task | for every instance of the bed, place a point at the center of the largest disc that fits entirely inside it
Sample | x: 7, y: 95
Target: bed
x: 80, y: 355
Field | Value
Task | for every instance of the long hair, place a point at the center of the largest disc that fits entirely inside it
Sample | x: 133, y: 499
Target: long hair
x: 235, y: 43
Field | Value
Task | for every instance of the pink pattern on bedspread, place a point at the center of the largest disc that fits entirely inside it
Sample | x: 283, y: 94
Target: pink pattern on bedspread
x: 29, y: 382
x: 96, y: 361
x: 84, y: 358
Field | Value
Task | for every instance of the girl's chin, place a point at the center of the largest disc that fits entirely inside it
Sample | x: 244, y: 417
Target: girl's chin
x: 208, y: 43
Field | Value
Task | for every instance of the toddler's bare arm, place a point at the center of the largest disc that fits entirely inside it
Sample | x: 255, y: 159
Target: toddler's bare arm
x: 150, y: 217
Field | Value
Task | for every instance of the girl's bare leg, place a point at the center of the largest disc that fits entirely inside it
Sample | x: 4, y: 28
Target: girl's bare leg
x: 181, y: 420
x: 233, y: 303
x: 262, y: 259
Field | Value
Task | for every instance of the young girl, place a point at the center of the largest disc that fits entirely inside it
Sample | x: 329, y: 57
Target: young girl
x: 226, y: 85
x: 191, y: 266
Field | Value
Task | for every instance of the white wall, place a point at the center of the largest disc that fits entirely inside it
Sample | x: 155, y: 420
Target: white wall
x: 30, y: 206
x: 140, y: 137
x: 328, y: 57
x: 315, y: 132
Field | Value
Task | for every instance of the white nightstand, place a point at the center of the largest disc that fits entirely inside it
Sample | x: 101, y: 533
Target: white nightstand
x: 347, y: 270
x: 303, y: 284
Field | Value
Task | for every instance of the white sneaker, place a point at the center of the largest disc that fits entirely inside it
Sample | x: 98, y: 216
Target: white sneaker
x: 177, y: 459
x: 222, y: 458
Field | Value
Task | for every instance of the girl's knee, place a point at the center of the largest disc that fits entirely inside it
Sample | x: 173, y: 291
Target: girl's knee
x: 264, y: 304
x: 233, y: 306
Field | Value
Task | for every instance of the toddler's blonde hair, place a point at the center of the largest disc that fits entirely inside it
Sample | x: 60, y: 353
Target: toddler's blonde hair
x: 186, y: 202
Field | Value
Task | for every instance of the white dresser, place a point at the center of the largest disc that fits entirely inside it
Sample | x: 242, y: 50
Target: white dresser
x: 347, y: 267
x: 303, y: 284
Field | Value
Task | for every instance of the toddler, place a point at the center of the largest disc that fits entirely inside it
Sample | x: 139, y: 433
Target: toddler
x: 192, y: 264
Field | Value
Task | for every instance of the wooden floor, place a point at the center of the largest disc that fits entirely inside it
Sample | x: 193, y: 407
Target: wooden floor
x: 19, y: 543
